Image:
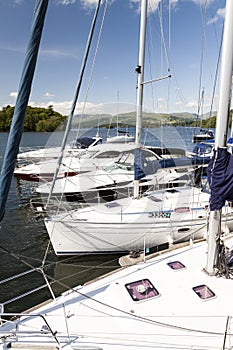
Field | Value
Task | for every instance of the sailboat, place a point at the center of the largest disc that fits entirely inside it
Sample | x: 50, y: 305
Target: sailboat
x: 179, y: 298
x: 136, y: 222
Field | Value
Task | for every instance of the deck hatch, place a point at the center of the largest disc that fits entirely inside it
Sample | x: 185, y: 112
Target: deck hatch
x: 176, y: 265
x: 204, y: 292
x: 141, y: 290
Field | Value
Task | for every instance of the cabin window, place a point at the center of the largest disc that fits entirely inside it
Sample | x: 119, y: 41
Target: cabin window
x: 141, y: 290
x: 176, y: 265
x: 172, y: 190
x: 108, y: 154
x: 204, y: 292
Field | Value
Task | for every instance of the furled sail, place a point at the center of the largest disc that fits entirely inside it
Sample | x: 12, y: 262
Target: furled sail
x: 25, y: 84
x: 220, y: 170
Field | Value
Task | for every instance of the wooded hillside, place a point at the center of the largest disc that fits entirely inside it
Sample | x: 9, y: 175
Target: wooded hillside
x: 36, y: 119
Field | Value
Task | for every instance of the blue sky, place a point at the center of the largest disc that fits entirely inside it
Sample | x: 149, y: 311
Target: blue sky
x: 113, y: 80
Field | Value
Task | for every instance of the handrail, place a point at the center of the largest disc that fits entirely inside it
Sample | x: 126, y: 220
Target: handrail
x: 17, y: 276
x: 49, y: 329
x: 24, y: 294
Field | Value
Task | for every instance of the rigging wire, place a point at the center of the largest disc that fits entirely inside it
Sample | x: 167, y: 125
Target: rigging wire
x: 200, y: 93
x: 84, y: 268
x: 77, y: 94
x: 158, y: 9
x: 89, y: 82
x: 69, y: 121
x: 94, y: 60
x: 217, y: 65
x: 136, y: 316
x: 215, y: 78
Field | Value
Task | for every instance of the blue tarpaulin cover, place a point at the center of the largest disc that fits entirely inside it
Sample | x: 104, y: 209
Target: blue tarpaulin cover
x: 144, y: 167
x: 220, y: 177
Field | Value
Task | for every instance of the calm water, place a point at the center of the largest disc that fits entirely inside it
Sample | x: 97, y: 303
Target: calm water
x: 24, y: 240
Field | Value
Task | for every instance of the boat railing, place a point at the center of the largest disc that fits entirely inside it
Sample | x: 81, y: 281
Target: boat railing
x: 25, y: 294
x: 46, y: 329
x: 56, y: 204
x: 32, y: 148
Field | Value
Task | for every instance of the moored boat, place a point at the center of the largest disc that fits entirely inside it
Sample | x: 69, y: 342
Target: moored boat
x: 180, y: 298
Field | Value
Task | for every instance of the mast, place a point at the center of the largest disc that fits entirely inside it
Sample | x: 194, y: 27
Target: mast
x: 221, y: 127
x: 140, y: 77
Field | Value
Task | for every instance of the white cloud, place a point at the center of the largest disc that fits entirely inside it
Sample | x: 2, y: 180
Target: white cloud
x: 89, y: 3
x: 14, y: 94
x: 66, y: 2
x: 48, y: 95
x: 154, y: 5
x: 84, y: 3
x: 55, y: 53
x: 63, y: 107
x: 203, y: 2
x: 18, y: 2
x: 173, y: 2
x: 220, y: 13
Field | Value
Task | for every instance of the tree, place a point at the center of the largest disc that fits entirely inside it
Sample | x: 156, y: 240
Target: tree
x: 36, y: 119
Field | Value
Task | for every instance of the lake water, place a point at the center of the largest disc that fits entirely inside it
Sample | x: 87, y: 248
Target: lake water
x: 24, y: 241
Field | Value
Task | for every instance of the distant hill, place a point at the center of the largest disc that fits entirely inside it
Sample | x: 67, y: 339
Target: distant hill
x: 129, y: 119
x: 46, y: 119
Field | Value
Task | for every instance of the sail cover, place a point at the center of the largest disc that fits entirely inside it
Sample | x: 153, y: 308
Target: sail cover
x: 16, y: 130
x: 220, y: 177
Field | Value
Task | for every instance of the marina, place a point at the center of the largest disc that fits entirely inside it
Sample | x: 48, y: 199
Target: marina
x: 27, y: 233
x: 152, y: 270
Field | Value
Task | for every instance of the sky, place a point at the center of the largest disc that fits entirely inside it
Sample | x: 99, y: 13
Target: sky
x: 183, y: 40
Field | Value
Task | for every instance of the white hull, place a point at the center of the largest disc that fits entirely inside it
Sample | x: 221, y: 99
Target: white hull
x: 75, y: 237
x: 71, y: 165
x: 173, y: 301
x: 180, y: 299
x: 105, y: 314
x: 110, y: 178
x: 118, y: 174
x: 47, y: 153
x: 120, y: 139
x: 132, y: 224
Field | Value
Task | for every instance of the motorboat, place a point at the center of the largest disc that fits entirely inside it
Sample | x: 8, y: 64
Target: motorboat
x: 117, y: 177
x: 72, y: 164
x: 204, y: 135
x: 122, y: 136
x: 46, y: 153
